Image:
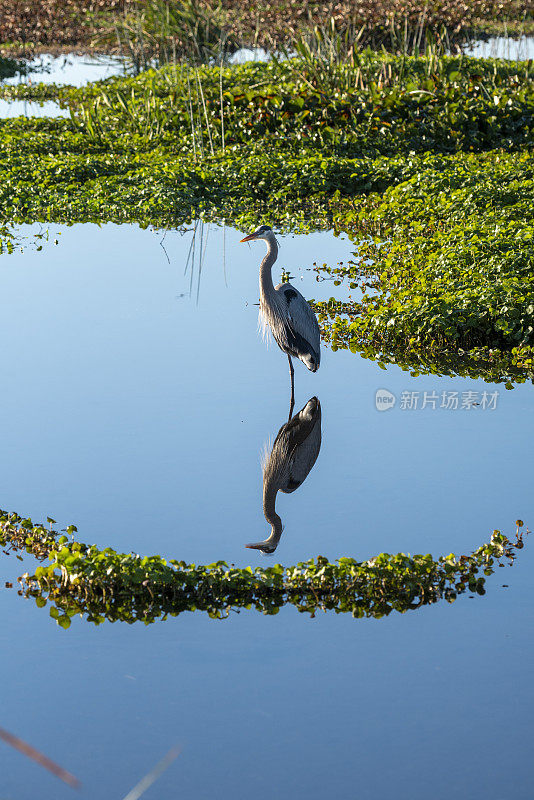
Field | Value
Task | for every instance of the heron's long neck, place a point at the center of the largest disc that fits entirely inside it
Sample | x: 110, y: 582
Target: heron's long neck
x: 266, y: 280
x: 269, y: 499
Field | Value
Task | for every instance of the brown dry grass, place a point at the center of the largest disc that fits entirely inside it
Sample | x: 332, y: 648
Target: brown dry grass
x: 280, y: 18
x: 50, y: 25
x: 59, y: 25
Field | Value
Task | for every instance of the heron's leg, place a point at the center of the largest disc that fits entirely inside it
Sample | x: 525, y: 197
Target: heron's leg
x: 292, y: 373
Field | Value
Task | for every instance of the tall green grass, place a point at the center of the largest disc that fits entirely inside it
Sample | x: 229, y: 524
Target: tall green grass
x: 157, y: 32
x: 377, y: 104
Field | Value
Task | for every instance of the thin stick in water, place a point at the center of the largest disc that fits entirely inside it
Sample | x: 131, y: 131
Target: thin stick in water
x: 224, y: 253
x: 193, y: 258
x: 189, y: 253
x: 202, y: 256
x: 222, y: 111
x: 163, y: 246
x: 146, y: 782
x: 205, y: 113
x: 191, y: 116
x: 39, y: 758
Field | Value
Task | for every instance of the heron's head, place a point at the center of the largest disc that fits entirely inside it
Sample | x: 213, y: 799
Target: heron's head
x: 263, y: 232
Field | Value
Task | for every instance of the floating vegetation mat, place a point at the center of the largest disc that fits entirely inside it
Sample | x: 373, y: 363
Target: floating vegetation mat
x: 75, y: 578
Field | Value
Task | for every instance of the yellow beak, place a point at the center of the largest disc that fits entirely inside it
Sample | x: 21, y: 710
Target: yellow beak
x: 248, y: 238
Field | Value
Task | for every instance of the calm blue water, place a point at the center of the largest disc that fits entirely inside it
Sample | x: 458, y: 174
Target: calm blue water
x: 27, y: 108
x: 504, y: 47
x: 137, y: 397
x: 70, y: 68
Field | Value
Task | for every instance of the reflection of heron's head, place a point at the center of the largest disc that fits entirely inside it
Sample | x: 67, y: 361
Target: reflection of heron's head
x: 265, y: 548
x: 263, y: 232
x: 269, y: 545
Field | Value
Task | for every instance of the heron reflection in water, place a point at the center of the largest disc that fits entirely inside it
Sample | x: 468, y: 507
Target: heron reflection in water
x: 293, y: 454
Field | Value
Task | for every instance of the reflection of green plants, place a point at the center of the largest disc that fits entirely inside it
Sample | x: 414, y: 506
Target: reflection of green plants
x: 9, y: 68
x: 490, y: 365
x: 12, y: 240
x: 104, y: 584
x: 8, y: 239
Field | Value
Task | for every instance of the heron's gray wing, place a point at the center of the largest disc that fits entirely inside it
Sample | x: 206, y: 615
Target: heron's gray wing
x: 290, y: 440
x: 300, y: 439
x: 303, y: 459
x: 290, y: 436
x: 300, y: 328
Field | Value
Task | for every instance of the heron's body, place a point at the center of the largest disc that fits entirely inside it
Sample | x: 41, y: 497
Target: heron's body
x: 288, y: 315
x: 285, y: 311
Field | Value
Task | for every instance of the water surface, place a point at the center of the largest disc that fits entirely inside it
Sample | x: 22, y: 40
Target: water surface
x: 69, y: 68
x: 504, y: 47
x: 29, y: 108
x: 137, y: 399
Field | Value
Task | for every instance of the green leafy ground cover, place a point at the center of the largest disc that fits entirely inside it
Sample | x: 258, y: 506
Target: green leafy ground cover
x: 452, y: 251
x: 380, y: 104
x: 431, y: 156
x: 76, y: 578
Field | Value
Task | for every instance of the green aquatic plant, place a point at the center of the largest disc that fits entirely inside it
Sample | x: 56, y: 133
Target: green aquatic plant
x: 376, y: 104
x: 382, y: 105
x: 75, y: 578
x: 452, y: 258
x: 454, y: 273
x: 162, y: 32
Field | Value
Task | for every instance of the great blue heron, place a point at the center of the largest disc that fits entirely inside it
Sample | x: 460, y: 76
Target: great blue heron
x: 294, y: 453
x: 283, y: 308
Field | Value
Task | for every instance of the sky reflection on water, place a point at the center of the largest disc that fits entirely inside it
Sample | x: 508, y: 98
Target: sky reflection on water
x: 153, y: 410
x: 70, y: 68
x: 26, y: 108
